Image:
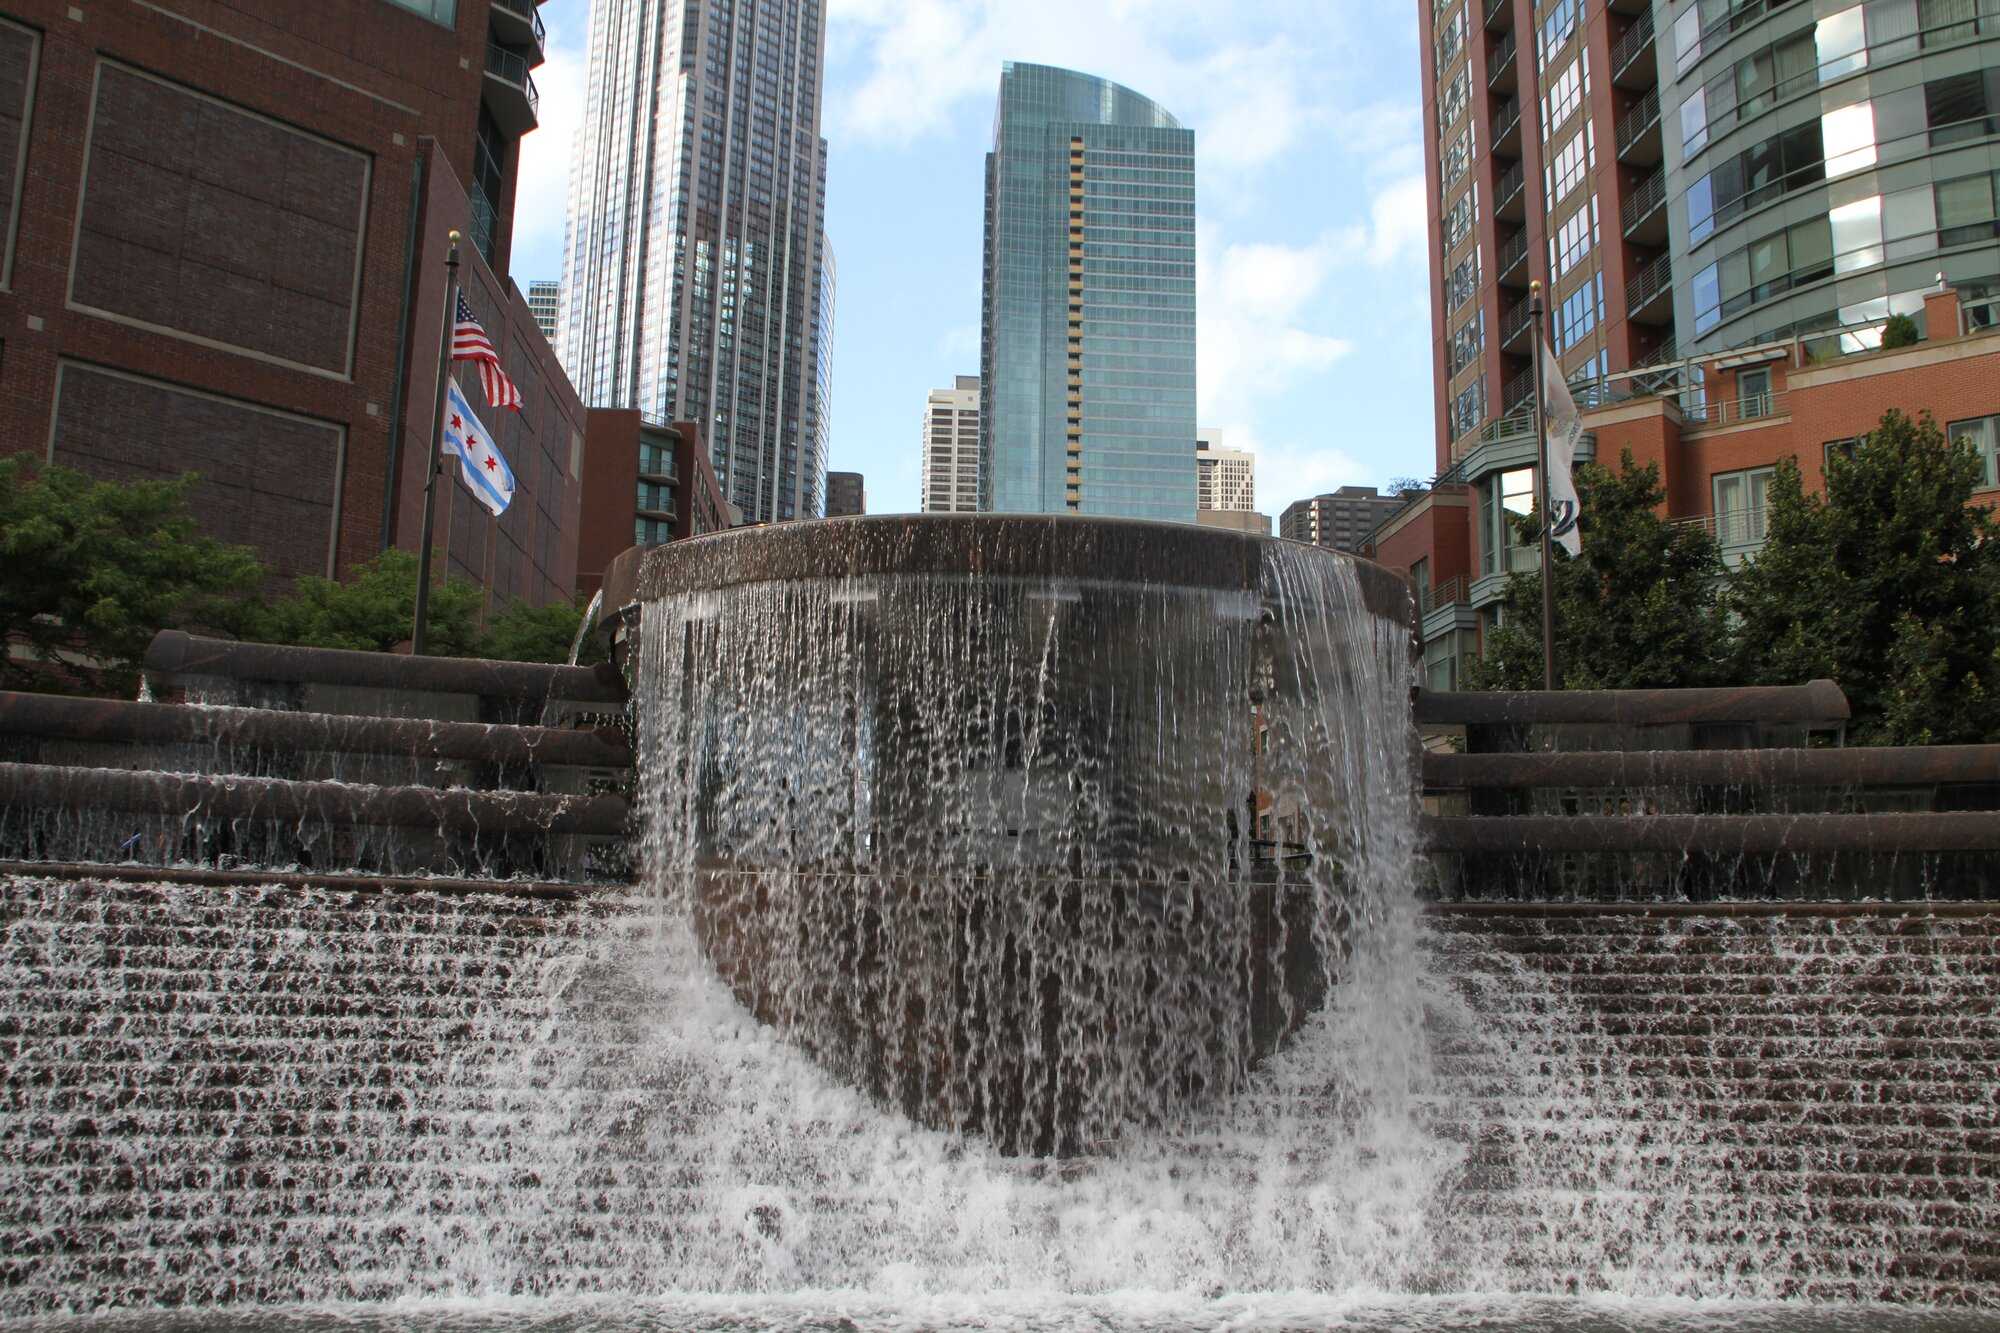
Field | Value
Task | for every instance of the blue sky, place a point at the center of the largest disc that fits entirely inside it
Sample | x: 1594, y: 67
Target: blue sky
x: 1312, y: 284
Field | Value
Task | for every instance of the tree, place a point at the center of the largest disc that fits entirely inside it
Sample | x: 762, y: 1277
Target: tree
x: 1406, y: 485
x: 98, y: 568
x: 373, y: 610
x: 524, y: 633
x: 1889, y: 584
x: 1899, y: 331
x: 1639, y: 609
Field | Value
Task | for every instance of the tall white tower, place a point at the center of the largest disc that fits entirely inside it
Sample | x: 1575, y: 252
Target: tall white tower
x: 951, y: 448
x: 696, y: 280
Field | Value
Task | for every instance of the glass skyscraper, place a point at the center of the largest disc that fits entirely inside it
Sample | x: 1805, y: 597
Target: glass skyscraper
x: 1087, y: 345
x: 697, y: 285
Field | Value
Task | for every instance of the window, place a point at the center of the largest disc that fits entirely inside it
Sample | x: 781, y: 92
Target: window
x: 1842, y: 43
x: 1945, y: 20
x: 437, y: 11
x: 1468, y: 341
x: 1848, y: 138
x: 1833, y: 449
x: 1964, y: 106
x: 1567, y: 169
x: 1468, y: 409
x: 1566, y: 92
x: 1741, y: 506
x: 1982, y: 434
x: 1556, y: 27
x: 1463, y: 282
x: 1576, y: 237
x: 1579, y: 313
x: 1687, y: 40
x: 1504, y: 498
x: 1452, y: 104
x: 1857, y: 234
x: 1965, y: 209
x: 1753, y: 391
x: 1459, y: 220
x: 1450, y: 37
x: 1457, y: 158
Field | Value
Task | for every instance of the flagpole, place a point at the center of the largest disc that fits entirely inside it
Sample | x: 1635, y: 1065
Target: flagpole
x: 1548, y: 509
x: 420, y: 631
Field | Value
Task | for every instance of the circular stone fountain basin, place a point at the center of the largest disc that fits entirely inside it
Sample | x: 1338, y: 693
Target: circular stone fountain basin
x: 1043, y: 828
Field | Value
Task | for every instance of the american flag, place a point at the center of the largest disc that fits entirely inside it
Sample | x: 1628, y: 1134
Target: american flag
x: 470, y: 343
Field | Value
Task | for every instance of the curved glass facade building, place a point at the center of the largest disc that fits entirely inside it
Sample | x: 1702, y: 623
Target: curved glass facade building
x: 697, y: 283
x: 1087, y: 349
x: 1827, y: 161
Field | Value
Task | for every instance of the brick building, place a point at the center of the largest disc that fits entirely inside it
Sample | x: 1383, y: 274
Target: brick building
x: 846, y: 493
x: 677, y: 495
x: 225, y: 235
x: 1715, y: 427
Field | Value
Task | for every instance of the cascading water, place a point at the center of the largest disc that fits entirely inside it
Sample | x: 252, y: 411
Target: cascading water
x: 1031, y: 949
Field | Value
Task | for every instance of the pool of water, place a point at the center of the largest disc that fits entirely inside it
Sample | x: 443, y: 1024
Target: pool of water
x: 1121, y: 1313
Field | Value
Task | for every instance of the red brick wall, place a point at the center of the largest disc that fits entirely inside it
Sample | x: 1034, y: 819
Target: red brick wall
x: 610, y: 473
x: 229, y: 227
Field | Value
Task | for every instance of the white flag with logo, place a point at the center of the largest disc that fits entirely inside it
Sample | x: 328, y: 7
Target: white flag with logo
x: 1565, y: 426
x: 480, y: 466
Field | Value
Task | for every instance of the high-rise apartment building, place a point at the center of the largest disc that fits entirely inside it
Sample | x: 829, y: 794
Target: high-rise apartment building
x: 1087, y: 348
x: 846, y: 494
x: 1341, y: 519
x: 1224, y: 478
x: 696, y: 280
x: 1721, y: 198
x: 951, y: 448
x: 544, y: 300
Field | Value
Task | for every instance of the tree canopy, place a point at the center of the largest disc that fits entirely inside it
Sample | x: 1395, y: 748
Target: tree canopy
x: 1639, y: 609
x: 93, y: 569
x: 372, y: 609
x: 1889, y: 583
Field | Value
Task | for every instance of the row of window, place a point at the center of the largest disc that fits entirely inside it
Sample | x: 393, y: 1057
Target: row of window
x: 1574, y: 239
x: 1462, y: 216
x: 1854, y: 236
x: 1567, y: 169
x: 1847, y: 139
x: 1579, y: 312
x: 1467, y: 342
x: 1463, y: 282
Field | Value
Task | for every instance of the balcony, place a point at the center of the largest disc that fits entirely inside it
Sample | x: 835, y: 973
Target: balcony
x: 1507, y: 127
x: 1741, y: 533
x: 510, y: 90
x: 1520, y: 390
x: 1507, y: 194
x: 1516, y: 322
x: 1499, y: 14
x: 1513, y: 266
x: 1644, y: 212
x: 1500, y: 73
x: 1633, y: 62
x: 1439, y: 596
x: 519, y: 23
x: 1727, y: 412
x: 1639, y: 131
x: 1649, y: 296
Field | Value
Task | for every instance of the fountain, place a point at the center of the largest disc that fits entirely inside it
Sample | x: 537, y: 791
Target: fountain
x: 1034, y: 827
x: 1030, y: 933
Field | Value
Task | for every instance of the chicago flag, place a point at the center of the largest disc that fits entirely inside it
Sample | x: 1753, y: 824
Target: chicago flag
x: 480, y: 466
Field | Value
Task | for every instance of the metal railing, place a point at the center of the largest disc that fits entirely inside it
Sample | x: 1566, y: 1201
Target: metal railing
x: 512, y: 67
x: 1494, y: 7
x: 1637, y: 38
x: 1509, y: 186
x: 1501, y: 59
x: 1647, y: 198
x: 1731, y: 527
x: 1513, y: 252
x: 1520, y: 389
x: 1506, y: 117
x: 1736, y: 411
x: 531, y: 11
x: 1436, y: 596
x: 1516, y: 318
x: 1641, y: 116
x: 1648, y: 283
x: 483, y: 219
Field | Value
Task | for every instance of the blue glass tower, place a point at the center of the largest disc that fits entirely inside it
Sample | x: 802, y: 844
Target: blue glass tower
x: 1087, y: 331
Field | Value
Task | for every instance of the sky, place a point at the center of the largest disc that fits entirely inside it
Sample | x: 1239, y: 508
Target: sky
x: 1312, y: 283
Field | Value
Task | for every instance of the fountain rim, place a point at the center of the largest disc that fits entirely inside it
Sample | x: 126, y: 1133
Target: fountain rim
x: 1130, y: 550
